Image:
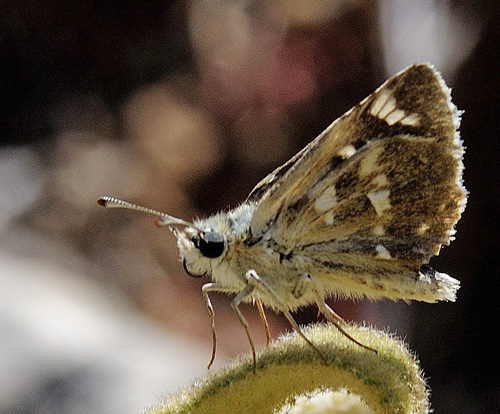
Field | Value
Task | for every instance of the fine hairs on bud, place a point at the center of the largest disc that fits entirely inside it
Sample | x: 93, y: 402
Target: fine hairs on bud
x: 288, y: 370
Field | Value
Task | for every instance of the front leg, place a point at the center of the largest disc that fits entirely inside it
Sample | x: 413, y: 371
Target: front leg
x: 213, y: 287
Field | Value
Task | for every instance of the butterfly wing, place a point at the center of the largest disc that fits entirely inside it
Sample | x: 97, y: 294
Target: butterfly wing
x: 383, y: 182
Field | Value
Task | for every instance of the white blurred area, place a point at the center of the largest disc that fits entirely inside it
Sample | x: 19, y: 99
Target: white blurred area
x: 95, y: 312
x: 427, y: 31
x: 73, y: 346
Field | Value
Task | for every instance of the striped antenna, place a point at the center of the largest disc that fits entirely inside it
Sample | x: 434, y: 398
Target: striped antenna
x: 163, y: 218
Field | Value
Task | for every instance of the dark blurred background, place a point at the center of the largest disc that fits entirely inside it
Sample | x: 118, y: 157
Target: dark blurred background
x: 184, y: 106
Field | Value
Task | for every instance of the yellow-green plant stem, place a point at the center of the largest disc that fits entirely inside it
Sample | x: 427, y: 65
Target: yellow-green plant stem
x: 389, y: 381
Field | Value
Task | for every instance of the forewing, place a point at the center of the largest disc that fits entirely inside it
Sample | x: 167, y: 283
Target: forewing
x: 383, y: 180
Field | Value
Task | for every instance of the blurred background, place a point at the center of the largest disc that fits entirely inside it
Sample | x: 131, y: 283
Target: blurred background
x: 184, y: 106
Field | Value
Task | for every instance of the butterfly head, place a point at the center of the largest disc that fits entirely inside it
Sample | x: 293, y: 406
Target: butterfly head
x: 200, y: 249
x: 204, y: 244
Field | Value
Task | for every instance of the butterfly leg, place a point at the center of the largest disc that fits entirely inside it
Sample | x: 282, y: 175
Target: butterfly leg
x: 332, y: 317
x: 263, y: 318
x: 255, y: 280
x: 330, y: 314
x: 212, y: 287
x: 235, y: 304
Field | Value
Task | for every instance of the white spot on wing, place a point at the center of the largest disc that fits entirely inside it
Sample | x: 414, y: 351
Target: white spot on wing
x: 378, y: 230
x: 395, y: 116
x: 380, y: 102
x: 329, y: 218
x: 411, y: 119
x: 388, y: 106
x: 385, y: 107
x: 326, y: 201
x: 382, y: 252
x: 347, y: 152
x: 380, y: 200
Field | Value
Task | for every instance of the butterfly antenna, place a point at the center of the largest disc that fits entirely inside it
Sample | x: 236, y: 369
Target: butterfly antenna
x: 162, y: 220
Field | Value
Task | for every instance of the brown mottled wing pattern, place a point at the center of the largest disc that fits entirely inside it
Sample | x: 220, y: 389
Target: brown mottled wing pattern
x: 384, y: 181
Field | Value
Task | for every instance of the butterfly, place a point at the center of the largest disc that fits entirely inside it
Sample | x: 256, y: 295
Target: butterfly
x: 359, y: 212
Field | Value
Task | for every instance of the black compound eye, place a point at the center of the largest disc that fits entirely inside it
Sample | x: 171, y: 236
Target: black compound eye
x: 211, y: 244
